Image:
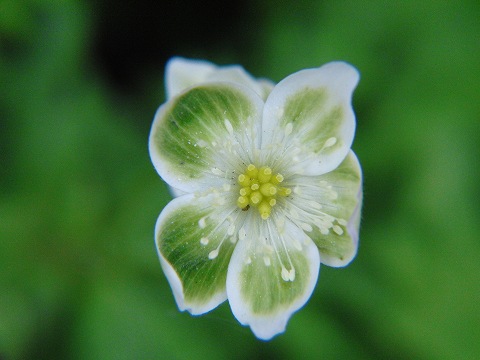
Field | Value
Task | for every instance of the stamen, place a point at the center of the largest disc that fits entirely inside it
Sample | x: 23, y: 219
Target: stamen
x: 285, y: 274
x: 244, y: 180
x: 252, y: 171
x: 202, y: 224
x: 337, y: 229
x: 242, y: 202
x: 213, y: 254
x: 330, y: 142
x: 259, y: 187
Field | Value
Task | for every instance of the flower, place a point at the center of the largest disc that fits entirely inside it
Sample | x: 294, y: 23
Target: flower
x: 269, y: 187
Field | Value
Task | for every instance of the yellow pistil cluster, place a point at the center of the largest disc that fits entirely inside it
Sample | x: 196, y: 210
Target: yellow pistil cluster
x: 259, y: 188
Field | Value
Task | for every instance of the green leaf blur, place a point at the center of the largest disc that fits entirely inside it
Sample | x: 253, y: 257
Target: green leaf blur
x: 79, y: 273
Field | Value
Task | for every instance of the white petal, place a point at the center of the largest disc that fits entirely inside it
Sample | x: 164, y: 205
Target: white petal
x: 183, y: 73
x: 176, y: 192
x: 309, y: 117
x: 193, y: 238
x: 330, y: 205
x: 200, y: 138
x: 236, y: 74
x: 272, y: 274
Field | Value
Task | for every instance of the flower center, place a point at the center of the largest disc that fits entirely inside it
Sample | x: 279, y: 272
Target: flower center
x: 259, y: 188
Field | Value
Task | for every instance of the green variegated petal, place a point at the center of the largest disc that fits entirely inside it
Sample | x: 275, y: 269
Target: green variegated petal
x: 308, y: 117
x: 184, y: 73
x: 181, y: 74
x: 200, y: 138
x: 272, y: 273
x: 195, y: 240
x: 328, y: 208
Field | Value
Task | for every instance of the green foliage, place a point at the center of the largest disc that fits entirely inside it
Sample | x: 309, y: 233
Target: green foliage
x: 79, y: 274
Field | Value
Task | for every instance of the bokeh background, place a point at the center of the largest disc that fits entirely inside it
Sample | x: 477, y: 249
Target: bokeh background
x: 79, y: 84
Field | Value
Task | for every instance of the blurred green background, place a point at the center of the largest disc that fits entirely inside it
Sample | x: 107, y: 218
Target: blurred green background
x: 79, y: 85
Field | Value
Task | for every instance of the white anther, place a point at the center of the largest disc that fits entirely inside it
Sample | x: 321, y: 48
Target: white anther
x: 288, y: 275
x: 315, y: 205
x: 204, y: 241
x: 330, y: 142
x: 306, y: 227
x: 213, y: 254
x: 202, y: 223
x: 292, y: 274
x: 338, y: 230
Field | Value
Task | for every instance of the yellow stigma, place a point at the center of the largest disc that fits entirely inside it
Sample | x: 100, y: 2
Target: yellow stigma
x: 259, y: 188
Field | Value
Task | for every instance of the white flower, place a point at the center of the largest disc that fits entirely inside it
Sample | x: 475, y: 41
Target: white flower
x: 269, y: 187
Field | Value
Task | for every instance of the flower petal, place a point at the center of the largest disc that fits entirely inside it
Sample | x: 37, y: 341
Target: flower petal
x: 195, y: 242
x: 328, y: 207
x: 184, y: 73
x: 309, y: 116
x: 201, y: 136
x: 181, y: 74
x: 236, y: 74
x: 272, y: 273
